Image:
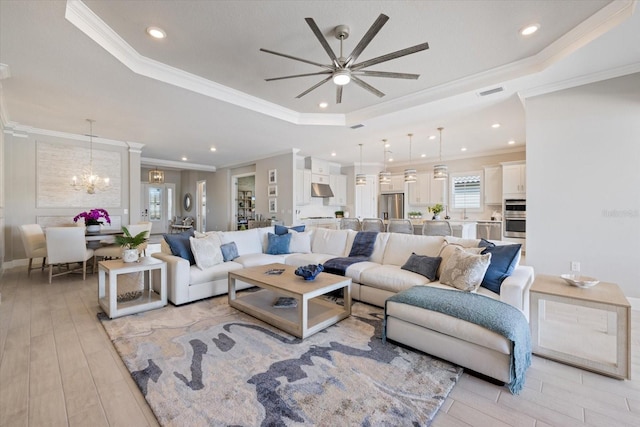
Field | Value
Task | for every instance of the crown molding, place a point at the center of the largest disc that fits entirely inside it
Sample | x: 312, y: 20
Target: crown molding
x: 148, y: 161
x: 16, y: 129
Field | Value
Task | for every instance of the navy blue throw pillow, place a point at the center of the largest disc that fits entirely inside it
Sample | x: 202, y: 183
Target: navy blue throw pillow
x: 484, y: 243
x: 424, y: 265
x: 503, y: 261
x: 229, y: 251
x: 180, y: 245
x: 278, y: 244
x: 281, y: 229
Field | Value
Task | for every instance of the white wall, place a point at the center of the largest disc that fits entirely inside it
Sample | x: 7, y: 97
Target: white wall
x: 583, y: 181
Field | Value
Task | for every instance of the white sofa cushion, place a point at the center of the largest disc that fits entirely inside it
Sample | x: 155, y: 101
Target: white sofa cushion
x: 298, y: 260
x: 330, y: 242
x: 217, y: 272
x: 253, y: 260
x: 400, y: 247
x: 300, y: 242
x: 206, y: 251
x: 247, y: 241
x: 391, y: 278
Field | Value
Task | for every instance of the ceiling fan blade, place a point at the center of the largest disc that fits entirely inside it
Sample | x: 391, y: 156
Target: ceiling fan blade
x: 339, y: 94
x: 364, y: 42
x: 367, y: 86
x: 390, y: 56
x: 284, y: 55
x: 322, y: 40
x: 317, y: 85
x: 299, y: 75
x: 370, y: 73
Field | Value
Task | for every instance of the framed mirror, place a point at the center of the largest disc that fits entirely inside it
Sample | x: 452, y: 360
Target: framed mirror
x: 188, y: 200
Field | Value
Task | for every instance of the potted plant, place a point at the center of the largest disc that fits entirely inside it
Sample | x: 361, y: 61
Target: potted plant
x: 130, y: 244
x: 339, y: 214
x: 436, y: 209
x: 92, y: 219
x: 415, y: 215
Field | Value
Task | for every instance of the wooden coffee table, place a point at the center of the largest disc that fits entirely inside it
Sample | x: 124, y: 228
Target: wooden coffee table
x: 313, y: 312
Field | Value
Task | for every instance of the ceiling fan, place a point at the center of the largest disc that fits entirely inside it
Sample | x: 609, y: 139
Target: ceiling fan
x: 343, y: 70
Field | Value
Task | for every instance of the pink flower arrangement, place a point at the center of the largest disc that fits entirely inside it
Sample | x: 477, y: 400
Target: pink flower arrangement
x: 93, y: 217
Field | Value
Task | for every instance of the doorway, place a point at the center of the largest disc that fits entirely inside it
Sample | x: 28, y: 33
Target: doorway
x: 158, y: 206
x: 201, y: 206
x: 243, y: 200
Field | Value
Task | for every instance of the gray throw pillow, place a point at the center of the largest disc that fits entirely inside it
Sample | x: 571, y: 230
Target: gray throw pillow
x: 465, y: 271
x: 424, y: 265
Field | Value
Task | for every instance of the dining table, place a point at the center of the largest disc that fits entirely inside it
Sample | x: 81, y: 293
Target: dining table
x: 96, y: 238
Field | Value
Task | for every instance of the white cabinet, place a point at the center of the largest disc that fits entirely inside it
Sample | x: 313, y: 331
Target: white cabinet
x: 493, y: 185
x: 367, y: 198
x: 420, y: 191
x: 426, y: 191
x: 317, y: 166
x: 514, y: 180
x: 320, y: 179
x: 303, y: 186
x: 338, y: 184
x: 396, y: 186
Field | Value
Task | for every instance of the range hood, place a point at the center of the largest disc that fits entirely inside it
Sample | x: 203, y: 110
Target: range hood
x: 320, y: 190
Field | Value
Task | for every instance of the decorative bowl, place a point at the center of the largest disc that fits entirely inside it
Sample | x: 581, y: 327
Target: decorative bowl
x: 580, y: 281
x: 309, y: 272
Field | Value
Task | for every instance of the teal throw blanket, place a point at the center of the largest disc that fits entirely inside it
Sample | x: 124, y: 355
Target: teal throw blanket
x: 494, y: 315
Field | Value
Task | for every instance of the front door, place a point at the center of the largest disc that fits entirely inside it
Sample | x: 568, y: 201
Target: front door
x: 158, y: 206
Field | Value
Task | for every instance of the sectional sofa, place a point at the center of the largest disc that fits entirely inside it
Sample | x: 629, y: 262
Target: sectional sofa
x: 373, y: 281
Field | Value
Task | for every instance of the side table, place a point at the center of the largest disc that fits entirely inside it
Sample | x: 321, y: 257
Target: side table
x: 153, y: 296
x: 588, y: 328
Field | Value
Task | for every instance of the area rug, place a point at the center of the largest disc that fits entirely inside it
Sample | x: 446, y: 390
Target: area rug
x: 207, y: 364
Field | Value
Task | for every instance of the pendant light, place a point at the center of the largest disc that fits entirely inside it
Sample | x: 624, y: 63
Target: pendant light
x: 440, y: 171
x: 89, y: 181
x: 410, y: 175
x: 361, y: 179
x: 384, y: 177
x: 156, y: 176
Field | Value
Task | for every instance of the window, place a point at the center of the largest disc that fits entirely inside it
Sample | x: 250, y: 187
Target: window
x: 466, y: 190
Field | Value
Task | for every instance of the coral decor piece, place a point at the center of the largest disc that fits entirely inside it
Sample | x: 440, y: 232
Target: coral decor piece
x: 309, y: 272
x: 93, y: 217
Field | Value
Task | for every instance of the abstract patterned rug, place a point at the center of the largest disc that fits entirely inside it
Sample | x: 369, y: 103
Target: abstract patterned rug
x: 207, y: 364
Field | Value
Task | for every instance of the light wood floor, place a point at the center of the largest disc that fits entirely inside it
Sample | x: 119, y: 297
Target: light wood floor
x: 58, y: 368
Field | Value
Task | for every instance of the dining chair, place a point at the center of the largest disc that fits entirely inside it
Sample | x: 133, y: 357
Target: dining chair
x: 67, y: 245
x: 35, y: 244
x: 350, y: 224
x: 400, y: 226
x: 436, y: 228
x: 114, y: 250
x: 372, y: 224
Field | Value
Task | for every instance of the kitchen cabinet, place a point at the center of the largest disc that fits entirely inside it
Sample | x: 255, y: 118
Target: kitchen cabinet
x: 338, y: 184
x: 426, y: 191
x: 493, y: 185
x: 396, y: 186
x: 367, y: 198
x: 514, y: 181
x: 303, y: 187
x: 317, y: 166
x: 321, y: 179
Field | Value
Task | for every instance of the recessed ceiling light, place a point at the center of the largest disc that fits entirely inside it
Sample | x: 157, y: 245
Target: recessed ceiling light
x: 184, y: 159
x: 529, y: 29
x: 432, y: 137
x: 390, y: 160
x: 511, y: 142
x: 156, y: 33
x: 333, y: 154
x: 212, y: 149
x: 463, y: 149
x: 495, y: 125
x: 323, y: 105
x: 387, y: 145
x: 423, y: 155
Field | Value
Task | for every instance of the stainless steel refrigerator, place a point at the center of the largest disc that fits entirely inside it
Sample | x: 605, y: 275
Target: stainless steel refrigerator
x: 391, y: 205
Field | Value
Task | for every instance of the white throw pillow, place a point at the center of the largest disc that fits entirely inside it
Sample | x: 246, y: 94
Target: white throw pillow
x: 465, y: 271
x: 206, y: 251
x: 300, y: 242
x: 448, y: 249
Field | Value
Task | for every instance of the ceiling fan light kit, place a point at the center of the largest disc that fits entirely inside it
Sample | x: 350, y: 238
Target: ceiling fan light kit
x: 343, y: 70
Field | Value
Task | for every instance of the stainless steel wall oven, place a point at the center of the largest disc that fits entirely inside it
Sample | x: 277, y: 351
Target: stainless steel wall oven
x: 515, y: 218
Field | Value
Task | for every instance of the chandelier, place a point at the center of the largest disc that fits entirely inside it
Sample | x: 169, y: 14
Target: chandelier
x: 88, y: 180
x: 156, y: 176
x: 440, y: 171
x: 384, y: 177
x: 410, y: 175
x: 361, y: 179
